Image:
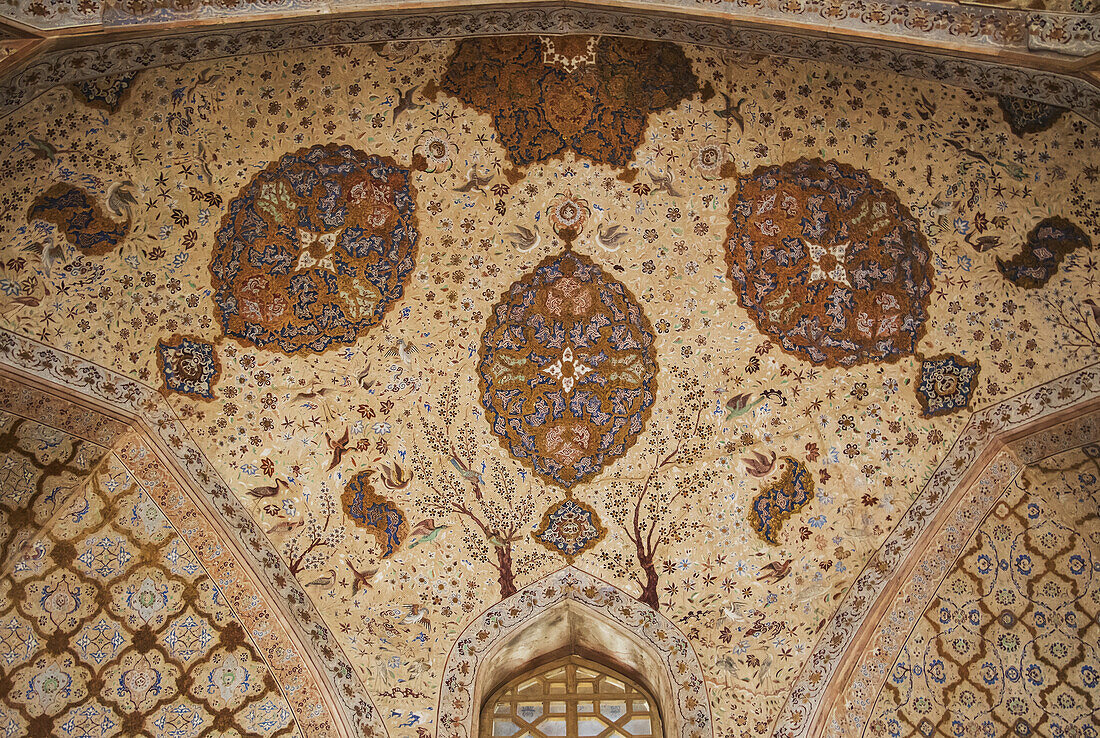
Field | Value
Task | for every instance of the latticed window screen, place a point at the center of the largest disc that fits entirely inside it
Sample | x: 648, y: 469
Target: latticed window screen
x: 572, y: 698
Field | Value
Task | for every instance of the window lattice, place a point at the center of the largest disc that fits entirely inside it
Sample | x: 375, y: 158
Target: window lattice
x: 572, y: 698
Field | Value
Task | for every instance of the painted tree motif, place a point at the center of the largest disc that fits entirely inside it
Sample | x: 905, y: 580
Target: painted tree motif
x: 484, y: 494
x: 650, y: 507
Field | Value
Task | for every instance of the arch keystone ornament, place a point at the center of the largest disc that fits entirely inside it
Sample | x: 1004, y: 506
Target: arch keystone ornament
x: 827, y: 261
x: 315, y: 249
x: 567, y: 612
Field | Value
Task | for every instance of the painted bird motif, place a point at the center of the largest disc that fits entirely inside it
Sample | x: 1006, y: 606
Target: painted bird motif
x: 425, y: 531
x: 760, y: 465
x: 466, y: 472
x: 339, y: 448
x: 361, y: 579
x: 611, y: 237
x: 120, y: 199
x: 524, y: 239
x: 662, y: 183
x: 476, y: 179
x: 732, y: 112
x: 403, y: 350
x: 774, y: 571
x: 395, y: 477
x: 744, y: 402
x: 271, y: 490
x: 404, y: 102
x: 49, y: 251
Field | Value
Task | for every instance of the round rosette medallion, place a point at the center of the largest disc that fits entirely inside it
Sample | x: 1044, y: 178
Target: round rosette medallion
x: 315, y: 249
x: 829, y: 262
x: 568, y: 369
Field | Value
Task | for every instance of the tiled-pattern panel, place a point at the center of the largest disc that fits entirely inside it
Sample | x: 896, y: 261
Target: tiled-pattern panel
x: 39, y: 467
x: 1010, y: 644
x: 109, y: 626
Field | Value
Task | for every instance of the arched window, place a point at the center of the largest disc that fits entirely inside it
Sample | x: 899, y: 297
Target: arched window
x: 570, y: 698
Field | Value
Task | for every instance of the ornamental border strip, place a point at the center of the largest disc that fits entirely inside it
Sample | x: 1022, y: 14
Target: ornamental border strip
x: 995, y: 26
x: 982, y: 433
x: 74, y: 65
x: 156, y: 423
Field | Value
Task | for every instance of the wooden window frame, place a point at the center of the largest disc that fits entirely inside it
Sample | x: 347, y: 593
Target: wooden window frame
x: 540, y: 666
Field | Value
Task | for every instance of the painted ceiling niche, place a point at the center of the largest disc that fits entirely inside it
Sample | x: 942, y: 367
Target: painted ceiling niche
x: 151, y: 647
x: 829, y: 262
x: 315, y: 249
x: 570, y: 612
x: 590, y: 95
x: 1010, y: 644
x: 284, y: 435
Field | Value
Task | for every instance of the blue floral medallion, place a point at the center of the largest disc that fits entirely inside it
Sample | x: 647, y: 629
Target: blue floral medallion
x: 378, y: 515
x: 568, y: 369
x: 777, y: 502
x: 189, y: 366
x: 947, y: 383
x: 315, y: 250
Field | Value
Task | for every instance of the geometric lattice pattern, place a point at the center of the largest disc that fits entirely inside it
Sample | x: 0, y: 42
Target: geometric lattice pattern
x: 1011, y: 642
x: 110, y: 627
x: 39, y: 465
x: 572, y: 698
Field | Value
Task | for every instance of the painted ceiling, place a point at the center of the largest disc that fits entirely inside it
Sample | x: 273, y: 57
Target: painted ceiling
x: 426, y: 322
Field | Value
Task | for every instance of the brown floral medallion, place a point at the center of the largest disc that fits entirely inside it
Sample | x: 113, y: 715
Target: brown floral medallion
x: 829, y: 262
x: 547, y: 95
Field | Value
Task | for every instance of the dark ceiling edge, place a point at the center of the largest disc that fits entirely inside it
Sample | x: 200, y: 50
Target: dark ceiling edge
x: 131, y: 51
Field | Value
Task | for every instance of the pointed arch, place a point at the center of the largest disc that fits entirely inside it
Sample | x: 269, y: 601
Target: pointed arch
x: 571, y: 611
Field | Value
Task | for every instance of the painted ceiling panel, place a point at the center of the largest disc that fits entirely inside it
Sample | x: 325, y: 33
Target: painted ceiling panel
x: 1009, y: 644
x: 449, y: 315
x: 152, y: 646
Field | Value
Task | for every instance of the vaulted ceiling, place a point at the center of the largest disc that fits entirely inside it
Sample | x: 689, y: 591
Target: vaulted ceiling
x: 772, y: 341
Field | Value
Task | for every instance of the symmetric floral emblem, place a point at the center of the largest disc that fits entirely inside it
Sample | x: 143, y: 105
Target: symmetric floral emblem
x: 777, y: 502
x: 947, y: 383
x: 373, y: 512
x: 188, y: 366
x: 315, y: 249
x: 1047, y: 245
x: 570, y: 527
x: 568, y: 369
x: 589, y: 95
x: 827, y: 261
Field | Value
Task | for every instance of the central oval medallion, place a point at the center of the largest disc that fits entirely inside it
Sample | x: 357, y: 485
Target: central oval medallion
x: 568, y: 369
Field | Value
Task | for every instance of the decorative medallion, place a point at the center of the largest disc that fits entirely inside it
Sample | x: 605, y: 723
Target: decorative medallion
x: 189, y: 366
x: 779, y: 501
x: 568, y: 369
x: 80, y: 218
x: 829, y: 262
x: 570, y: 528
x: 591, y: 95
x: 947, y: 383
x: 1047, y: 245
x: 315, y: 249
x: 376, y: 514
x: 1028, y: 116
x: 107, y: 93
